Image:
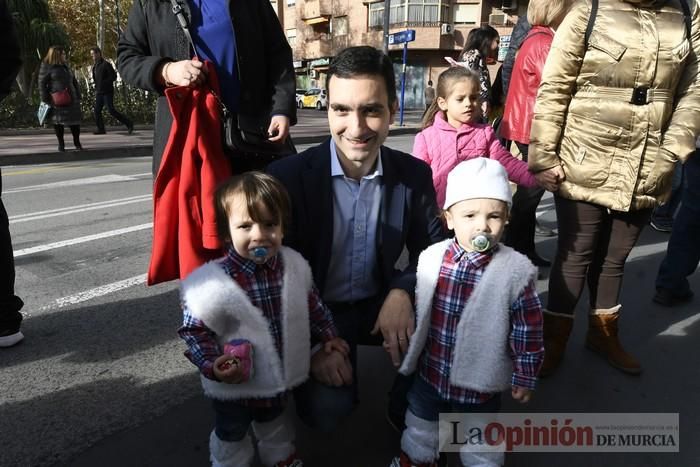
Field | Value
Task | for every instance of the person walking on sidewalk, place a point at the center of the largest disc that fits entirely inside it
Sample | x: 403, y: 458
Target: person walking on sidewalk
x: 10, y: 304
x: 614, y: 112
x: 59, y: 89
x: 103, y: 75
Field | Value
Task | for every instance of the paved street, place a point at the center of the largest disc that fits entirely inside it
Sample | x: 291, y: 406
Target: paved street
x: 100, y: 378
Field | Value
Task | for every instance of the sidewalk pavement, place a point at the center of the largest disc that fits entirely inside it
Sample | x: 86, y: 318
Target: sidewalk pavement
x: 39, y: 145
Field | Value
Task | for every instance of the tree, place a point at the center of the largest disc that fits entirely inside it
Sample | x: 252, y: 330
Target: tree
x: 36, y: 33
x: 81, y: 19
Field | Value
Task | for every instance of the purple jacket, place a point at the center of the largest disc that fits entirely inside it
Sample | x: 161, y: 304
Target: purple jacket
x: 443, y: 147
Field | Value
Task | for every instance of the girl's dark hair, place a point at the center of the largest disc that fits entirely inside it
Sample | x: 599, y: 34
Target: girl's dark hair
x: 445, y: 82
x: 261, y: 191
x: 480, y: 39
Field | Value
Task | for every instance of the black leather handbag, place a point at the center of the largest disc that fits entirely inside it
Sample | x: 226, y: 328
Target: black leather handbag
x: 247, y: 143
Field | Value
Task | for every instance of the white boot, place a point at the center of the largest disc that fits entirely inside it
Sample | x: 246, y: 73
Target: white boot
x: 275, y: 440
x: 481, y: 459
x: 420, y: 439
x: 230, y: 453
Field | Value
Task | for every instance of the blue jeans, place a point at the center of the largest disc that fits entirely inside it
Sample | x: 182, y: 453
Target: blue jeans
x: 324, y: 407
x: 425, y: 402
x: 233, y: 419
x: 683, y: 252
x: 108, y: 99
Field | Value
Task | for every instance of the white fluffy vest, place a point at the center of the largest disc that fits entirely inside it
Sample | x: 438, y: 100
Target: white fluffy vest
x: 216, y: 299
x: 481, y: 358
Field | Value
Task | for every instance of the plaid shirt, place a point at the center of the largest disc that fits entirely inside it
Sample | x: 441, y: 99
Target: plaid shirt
x: 459, y: 274
x: 263, y: 285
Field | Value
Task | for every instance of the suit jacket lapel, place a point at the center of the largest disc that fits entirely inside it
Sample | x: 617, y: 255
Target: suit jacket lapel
x: 391, y: 213
x: 318, y: 194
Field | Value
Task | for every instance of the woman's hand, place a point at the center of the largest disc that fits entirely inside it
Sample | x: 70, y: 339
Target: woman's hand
x: 184, y: 73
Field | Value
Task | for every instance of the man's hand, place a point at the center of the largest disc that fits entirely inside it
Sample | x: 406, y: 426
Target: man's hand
x: 521, y: 395
x: 231, y: 375
x: 396, y: 321
x: 550, y: 179
x: 331, y: 368
x: 279, y: 129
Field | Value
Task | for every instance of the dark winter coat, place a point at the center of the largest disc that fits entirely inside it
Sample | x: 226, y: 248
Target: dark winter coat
x: 103, y: 75
x: 263, y: 55
x: 10, y: 61
x: 54, y: 78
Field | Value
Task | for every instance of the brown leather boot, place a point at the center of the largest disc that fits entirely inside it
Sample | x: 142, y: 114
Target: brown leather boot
x: 557, y: 328
x: 602, y: 339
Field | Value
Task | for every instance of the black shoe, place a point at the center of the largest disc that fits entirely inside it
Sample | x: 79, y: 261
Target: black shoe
x: 79, y: 147
x: 10, y: 337
x: 99, y: 132
x: 661, y: 226
x: 544, y: 231
x: 538, y: 261
x: 61, y: 148
x: 130, y: 128
x: 666, y: 297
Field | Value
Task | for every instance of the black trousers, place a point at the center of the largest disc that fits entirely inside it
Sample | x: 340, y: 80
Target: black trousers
x: 520, y: 234
x: 102, y: 100
x: 10, y: 304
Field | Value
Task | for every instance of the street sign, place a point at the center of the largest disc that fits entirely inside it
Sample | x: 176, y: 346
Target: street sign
x: 401, y: 37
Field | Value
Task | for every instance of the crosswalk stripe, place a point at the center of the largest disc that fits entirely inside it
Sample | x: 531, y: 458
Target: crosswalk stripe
x: 75, y: 241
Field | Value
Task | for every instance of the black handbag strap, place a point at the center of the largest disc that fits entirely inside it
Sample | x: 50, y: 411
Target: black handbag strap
x: 182, y: 20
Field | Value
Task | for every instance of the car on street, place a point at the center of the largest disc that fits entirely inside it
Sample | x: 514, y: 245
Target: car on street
x: 315, y: 98
x: 299, y: 96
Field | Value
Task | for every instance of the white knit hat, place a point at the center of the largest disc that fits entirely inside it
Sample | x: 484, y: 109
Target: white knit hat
x: 480, y: 177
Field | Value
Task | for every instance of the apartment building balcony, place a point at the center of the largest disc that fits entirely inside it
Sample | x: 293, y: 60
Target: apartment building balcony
x: 315, y: 48
x: 316, y: 11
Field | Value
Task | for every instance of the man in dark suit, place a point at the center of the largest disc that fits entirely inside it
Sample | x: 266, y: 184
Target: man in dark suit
x: 103, y: 75
x: 355, y: 206
x: 10, y: 304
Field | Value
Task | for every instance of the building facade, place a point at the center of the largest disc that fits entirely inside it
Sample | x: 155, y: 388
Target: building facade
x: 318, y: 29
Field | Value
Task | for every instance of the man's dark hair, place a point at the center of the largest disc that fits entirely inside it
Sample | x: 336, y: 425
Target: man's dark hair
x: 364, y: 60
x: 96, y: 50
x: 480, y: 39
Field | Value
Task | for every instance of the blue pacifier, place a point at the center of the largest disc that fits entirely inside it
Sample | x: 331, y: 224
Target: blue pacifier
x: 481, y: 242
x: 259, y: 253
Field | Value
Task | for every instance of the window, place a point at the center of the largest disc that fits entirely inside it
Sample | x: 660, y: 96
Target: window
x: 274, y: 5
x: 410, y: 13
x: 467, y: 13
x: 291, y: 37
x: 291, y: 2
x: 339, y: 26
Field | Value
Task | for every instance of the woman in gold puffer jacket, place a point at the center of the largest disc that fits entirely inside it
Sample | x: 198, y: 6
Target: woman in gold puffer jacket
x: 611, y: 118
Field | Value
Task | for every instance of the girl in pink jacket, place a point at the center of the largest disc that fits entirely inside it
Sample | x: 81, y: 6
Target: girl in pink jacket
x: 451, y: 133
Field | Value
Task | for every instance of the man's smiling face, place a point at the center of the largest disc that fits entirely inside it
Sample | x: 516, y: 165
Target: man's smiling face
x: 359, y: 117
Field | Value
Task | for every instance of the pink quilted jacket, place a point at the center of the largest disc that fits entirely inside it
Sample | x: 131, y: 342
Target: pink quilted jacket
x: 443, y: 147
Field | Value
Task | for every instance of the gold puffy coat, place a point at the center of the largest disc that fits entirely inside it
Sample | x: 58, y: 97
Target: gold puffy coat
x: 615, y: 152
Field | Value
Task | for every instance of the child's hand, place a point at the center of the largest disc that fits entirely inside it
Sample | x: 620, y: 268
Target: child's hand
x: 337, y: 344
x: 521, y: 395
x: 228, y: 370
